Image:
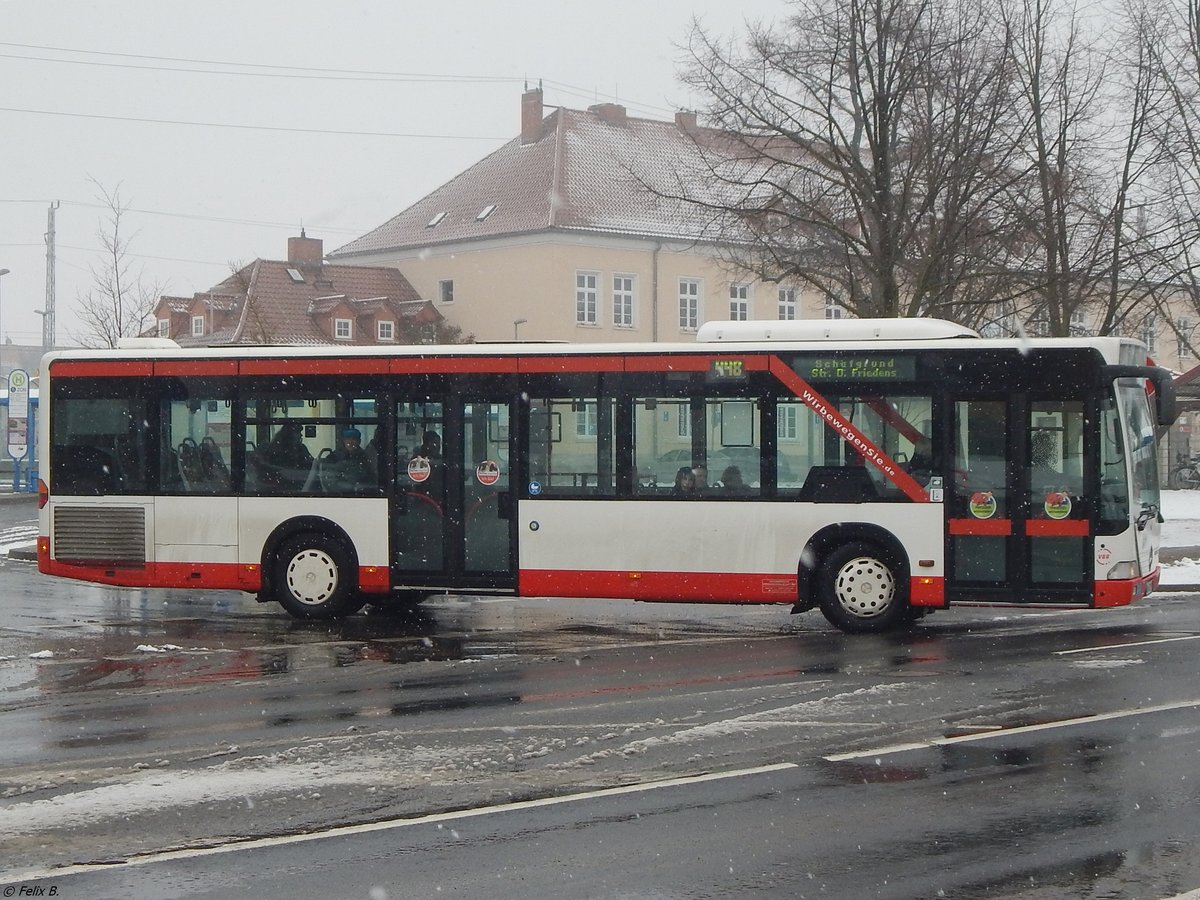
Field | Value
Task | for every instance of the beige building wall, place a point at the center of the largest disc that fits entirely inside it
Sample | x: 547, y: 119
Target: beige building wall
x: 536, y: 278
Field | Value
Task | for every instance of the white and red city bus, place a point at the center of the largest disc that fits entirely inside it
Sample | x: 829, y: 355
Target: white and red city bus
x: 874, y: 469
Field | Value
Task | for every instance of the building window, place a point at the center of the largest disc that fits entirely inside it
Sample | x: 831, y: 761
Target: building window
x: 787, y: 418
x: 1183, y: 328
x: 586, y: 425
x: 787, y: 304
x: 197, y: 326
x: 587, y: 300
x: 622, y: 301
x: 385, y: 331
x: 446, y: 291
x: 689, y: 304
x: 834, y: 310
x: 343, y: 329
x: 1149, y: 333
x: 1079, y: 324
x: 164, y: 328
x: 739, y: 302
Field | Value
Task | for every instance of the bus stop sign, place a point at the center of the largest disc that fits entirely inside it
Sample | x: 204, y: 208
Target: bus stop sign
x: 18, y: 413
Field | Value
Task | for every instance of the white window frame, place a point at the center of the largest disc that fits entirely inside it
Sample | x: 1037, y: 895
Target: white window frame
x: 446, y: 290
x: 788, y: 311
x: 1183, y: 330
x: 835, y: 310
x: 385, y: 331
x: 197, y: 326
x: 587, y: 421
x: 624, y: 300
x: 164, y: 328
x: 691, y: 292
x: 1149, y: 333
x: 587, y: 298
x: 787, y: 417
x: 739, y: 301
x: 343, y: 329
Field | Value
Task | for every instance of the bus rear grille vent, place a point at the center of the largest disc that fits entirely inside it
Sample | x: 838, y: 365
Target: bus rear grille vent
x: 96, y: 534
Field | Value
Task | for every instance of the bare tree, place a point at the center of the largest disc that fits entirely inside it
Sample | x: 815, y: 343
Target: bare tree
x: 120, y: 301
x: 859, y: 151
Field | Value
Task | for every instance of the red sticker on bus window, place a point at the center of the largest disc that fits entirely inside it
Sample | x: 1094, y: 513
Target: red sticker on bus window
x: 419, y: 469
x: 488, y: 472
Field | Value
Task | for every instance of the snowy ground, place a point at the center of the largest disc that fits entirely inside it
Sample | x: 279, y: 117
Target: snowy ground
x: 1181, y: 509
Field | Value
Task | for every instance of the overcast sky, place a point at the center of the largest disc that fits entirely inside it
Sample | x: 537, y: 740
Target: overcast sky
x: 287, y: 134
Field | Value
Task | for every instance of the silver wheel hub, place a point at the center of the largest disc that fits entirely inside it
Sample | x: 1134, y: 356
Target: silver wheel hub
x: 312, y: 576
x: 865, y: 587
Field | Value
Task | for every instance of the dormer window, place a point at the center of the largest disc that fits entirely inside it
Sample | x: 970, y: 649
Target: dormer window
x: 164, y: 328
x: 343, y: 329
x: 485, y: 212
x: 435, y: 221
x: 197, y: 326
x: 296, y: 276
x: 385, y: 331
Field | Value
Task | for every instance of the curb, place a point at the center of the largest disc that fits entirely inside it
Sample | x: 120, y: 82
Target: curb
x: 28, y: 552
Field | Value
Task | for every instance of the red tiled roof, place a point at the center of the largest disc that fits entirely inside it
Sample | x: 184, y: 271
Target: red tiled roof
x: 274, y: 308
x: 586, y: 171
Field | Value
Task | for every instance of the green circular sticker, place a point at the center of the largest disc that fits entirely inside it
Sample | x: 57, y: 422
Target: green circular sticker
x: 982, y: 505
x: 1058, y: 504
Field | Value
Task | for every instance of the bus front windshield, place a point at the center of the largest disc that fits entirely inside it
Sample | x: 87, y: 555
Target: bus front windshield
x: 1129, y: 478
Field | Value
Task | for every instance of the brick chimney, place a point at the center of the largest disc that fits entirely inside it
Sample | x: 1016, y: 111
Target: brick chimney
x: 685, y: 121
x: 306, y: 251
x: 531, y: 115
x: 612, y: 113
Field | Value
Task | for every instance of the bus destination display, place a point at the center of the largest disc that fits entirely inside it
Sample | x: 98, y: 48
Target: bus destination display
x: 855, y: 367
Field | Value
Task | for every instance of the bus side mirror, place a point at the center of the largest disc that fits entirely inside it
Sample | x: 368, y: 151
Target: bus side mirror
x: 1164, y: 388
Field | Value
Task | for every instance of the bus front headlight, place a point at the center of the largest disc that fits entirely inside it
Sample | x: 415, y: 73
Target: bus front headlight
x: 1123, y: 571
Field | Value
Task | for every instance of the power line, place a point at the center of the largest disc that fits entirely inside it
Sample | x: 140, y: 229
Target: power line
x: 328, y: 131
x: 304, y: 72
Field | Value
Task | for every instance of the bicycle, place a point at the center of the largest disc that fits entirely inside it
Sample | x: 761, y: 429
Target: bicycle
x: 1185, y: 475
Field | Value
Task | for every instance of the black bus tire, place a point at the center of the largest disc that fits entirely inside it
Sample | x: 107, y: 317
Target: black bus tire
x: 861, y: 590
x: 314, y: 577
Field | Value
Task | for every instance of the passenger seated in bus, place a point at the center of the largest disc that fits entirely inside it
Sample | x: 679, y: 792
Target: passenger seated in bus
x: 431, y: 446
x: 348, y: 468
x: 921, y: 464
x: 685, y: 483
x: 731, y: 481
x: 287, y: 460
x: 700, y: 471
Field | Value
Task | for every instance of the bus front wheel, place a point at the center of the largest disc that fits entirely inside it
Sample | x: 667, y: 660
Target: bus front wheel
x: 314, y: 577
x: 860, y: 590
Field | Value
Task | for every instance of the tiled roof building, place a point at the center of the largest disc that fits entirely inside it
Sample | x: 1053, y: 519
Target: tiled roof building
x: 556, y: 236
x: 304, y: 301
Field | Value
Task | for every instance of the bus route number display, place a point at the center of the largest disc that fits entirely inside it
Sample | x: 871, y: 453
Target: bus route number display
x: 855, y: 367
x: 727, y: 370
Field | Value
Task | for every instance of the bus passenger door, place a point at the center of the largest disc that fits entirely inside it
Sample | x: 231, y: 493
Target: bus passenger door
x: 452, y: 507
x: 1018, y: 516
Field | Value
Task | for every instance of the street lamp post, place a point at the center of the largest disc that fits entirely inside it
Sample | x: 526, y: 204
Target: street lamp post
x: 3, y: 272
x: 517, y: 323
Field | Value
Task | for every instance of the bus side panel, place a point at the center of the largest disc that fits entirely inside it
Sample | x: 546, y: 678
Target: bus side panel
x: 695, y: 550
x: 364, y: 521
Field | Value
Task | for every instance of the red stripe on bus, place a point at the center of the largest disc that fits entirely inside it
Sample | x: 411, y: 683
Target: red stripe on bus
x: 126, y: 368
x: 314, y: 366
x: 216, y: 576
x: 926, y: 591
x: 450, y: 365
x: 196, y: 367
x: 991, y: 527
x: 858, y: 441
x: 682, y: 587
x: 573, y: 364
x: 668, y: 363
x: 1057, y: 528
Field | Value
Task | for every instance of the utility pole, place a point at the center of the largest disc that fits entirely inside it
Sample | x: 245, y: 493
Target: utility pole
x: 48, y: 318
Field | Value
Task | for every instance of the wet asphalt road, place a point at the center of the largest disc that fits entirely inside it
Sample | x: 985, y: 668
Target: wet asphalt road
x: 985, y: 753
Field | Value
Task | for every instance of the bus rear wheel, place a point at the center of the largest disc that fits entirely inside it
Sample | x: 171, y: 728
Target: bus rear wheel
x: 314, y: 577
x: 860, y: 590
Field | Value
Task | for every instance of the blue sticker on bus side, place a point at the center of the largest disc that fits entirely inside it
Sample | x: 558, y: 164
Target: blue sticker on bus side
x: 535, y: 488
